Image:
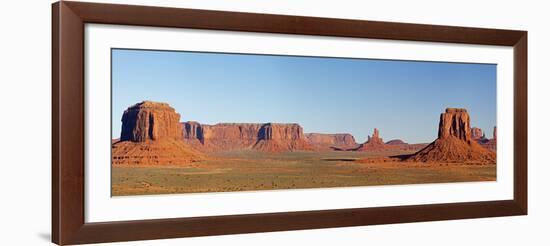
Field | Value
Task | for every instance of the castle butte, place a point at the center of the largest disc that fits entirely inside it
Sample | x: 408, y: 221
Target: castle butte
x: 373, y: 143
x: 151, y: 135
x: 454, y: 142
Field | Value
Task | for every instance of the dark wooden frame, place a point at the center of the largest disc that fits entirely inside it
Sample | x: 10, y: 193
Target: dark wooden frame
x: 68, y: 224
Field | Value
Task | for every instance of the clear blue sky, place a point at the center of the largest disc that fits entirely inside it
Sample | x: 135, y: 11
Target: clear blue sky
x: 403, y: 99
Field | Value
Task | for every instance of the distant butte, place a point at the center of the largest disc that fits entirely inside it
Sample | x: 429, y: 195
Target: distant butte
x: 490, y: 144
x: 338, y: 141
x: 373, y: 143
x: 395, y: 142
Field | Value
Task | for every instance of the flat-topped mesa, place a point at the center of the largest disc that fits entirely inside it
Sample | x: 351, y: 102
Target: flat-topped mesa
x: 344, y: 139
x: 276, y: 131
x: 148, y: 120
x: 339, y: 141
x: 455, y: 122
x: 151, y: 135
x: 232, y: 131
x: 233, y: 136
x: 277, y: 137
x: 454, y: 142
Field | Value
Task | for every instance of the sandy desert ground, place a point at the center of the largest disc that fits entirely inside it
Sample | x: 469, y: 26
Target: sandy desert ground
x: 252, y: 170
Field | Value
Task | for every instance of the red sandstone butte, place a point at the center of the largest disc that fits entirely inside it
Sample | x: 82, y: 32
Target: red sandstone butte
x: 454, y: 142
x: 151, y: 135
x: 150, y: 121
x: 374, y: 143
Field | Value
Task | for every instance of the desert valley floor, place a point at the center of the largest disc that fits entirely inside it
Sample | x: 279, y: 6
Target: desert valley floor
x: 250, y: 170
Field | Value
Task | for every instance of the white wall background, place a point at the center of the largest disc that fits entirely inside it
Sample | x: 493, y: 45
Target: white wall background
x: 25, y: 122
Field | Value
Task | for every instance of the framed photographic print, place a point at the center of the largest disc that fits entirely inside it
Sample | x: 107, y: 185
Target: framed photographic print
x: 176, y: 122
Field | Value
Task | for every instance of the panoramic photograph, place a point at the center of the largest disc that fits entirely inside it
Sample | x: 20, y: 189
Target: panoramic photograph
x: 194, y: 122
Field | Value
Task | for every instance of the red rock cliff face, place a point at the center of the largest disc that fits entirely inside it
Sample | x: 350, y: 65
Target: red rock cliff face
x: 280, y: 132
x: 193, y: 130
x: 281, y: 137
x: 220, y: 137
x: 331, y: 141
x: 151, y: 135
x: 150, y: 121
x: 230, y: 136
x: 344, y: 140
x: 454, y: 142
x: 455, y: 122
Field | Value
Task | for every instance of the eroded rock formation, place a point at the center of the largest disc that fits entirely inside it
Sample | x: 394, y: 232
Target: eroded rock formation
x: 323, y: 141
x: 271, y: 137
x: 151, y: 135
x: 193, y: 130
x: 375, y: 139
x: 374, y: 143
x: 281, y: 137
x: 150, y: 121
x: 477, y: 133
x: 455, y: 122
x: 490, y: 144
x: 454, y: 142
